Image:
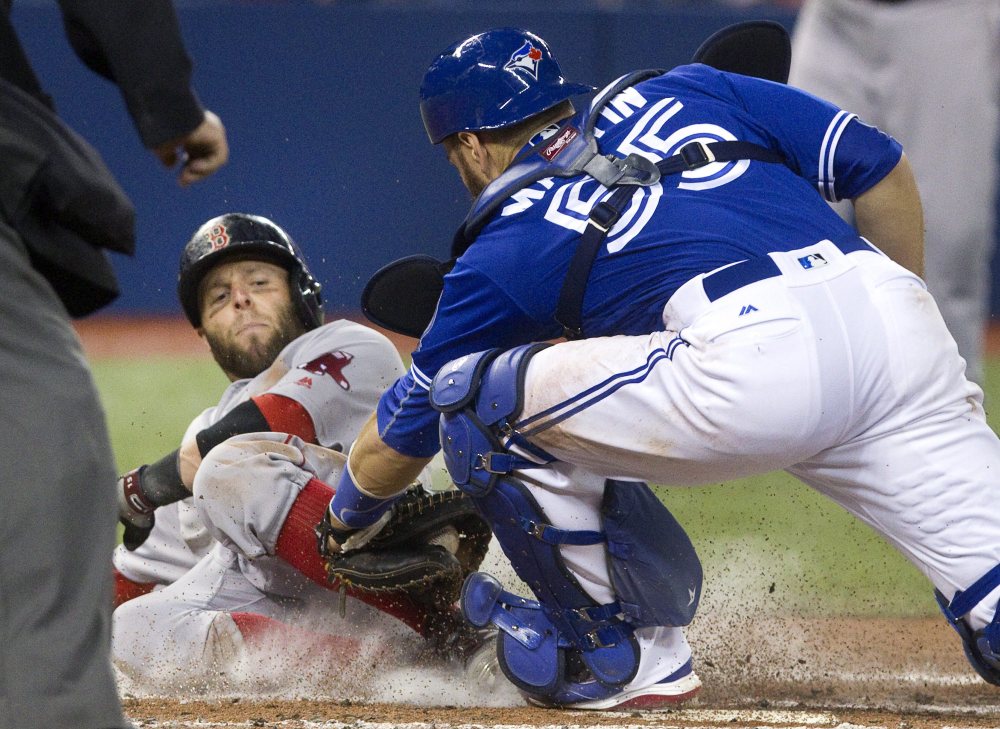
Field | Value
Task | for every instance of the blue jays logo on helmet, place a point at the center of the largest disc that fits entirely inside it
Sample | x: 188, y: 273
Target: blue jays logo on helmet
x: 491, y: 80
x: 525, y: 58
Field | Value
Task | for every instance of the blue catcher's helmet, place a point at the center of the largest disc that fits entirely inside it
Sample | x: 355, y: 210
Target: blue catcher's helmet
x: 491, y: 80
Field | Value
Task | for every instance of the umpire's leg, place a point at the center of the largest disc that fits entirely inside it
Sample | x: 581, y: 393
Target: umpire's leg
x: 57, y: 518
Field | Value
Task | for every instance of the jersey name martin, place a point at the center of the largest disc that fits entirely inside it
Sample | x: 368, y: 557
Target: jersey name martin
x: 572, y: 201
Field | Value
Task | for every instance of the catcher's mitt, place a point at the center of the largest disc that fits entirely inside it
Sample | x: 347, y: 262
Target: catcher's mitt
x: 428, y: 546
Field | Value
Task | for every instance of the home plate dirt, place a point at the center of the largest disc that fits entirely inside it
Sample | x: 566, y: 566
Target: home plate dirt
x: 309, y: 715
x: 783, y: 673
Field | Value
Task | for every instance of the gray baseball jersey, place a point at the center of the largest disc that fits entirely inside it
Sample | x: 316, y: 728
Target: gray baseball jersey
x: 336, y: 372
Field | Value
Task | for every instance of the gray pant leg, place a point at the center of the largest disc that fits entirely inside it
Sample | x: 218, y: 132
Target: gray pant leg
x: 924, y: 72
x: 57, y: 515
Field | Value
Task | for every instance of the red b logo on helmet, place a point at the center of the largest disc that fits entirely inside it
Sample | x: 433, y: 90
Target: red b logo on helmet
x: 218, y: 237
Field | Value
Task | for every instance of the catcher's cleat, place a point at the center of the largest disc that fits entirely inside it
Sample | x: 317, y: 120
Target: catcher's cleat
x: 680, y: 686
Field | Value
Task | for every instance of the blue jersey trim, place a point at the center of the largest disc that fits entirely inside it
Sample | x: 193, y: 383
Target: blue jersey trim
x: 406, y: 421
x: 828, y: 153
x: 420, y: 378
x: 592, y: 395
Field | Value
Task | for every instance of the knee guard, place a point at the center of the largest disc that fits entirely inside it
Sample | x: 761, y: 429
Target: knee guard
x: 982, y: 647
x: 565, y: 647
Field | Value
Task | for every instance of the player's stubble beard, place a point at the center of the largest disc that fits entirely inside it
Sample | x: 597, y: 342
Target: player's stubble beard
x: 472, y: 177
x: 244, y: 362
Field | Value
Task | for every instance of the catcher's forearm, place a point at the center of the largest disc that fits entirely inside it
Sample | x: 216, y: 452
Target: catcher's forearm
x: 377, y: 468
x: 375, y: 473
x: 891, y: 217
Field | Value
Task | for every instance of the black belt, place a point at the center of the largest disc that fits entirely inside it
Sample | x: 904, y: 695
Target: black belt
x: 740, y: 274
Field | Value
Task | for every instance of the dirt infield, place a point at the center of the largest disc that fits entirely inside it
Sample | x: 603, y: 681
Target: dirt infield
x: 757, y: 671
x: 320, y: 715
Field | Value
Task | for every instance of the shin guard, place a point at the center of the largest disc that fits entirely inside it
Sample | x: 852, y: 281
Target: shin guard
x: 564, y: 647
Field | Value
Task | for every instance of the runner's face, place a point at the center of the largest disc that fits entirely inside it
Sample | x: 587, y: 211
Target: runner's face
x: 247, y: 315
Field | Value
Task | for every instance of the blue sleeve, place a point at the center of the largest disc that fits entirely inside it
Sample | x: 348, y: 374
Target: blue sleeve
x: 855, y: 171
x: 406, y: 421
x: 473, y: 314
x: 829, y: 147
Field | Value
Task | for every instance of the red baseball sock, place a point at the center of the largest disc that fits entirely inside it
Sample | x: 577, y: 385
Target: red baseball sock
x: 297, y: 545
x: 126, y: 589
x: 262, y: 631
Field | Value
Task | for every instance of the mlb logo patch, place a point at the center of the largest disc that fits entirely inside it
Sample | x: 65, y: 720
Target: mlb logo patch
x: 525, y: 59
x: 813, y: 260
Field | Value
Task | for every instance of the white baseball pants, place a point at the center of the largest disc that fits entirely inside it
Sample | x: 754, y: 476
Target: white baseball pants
x: 843, y: 374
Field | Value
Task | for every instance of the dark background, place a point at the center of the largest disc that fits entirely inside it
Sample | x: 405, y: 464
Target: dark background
x: 320, y: 104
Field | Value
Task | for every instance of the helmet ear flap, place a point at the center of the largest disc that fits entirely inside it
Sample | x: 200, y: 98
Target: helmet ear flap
x: 308, y: 299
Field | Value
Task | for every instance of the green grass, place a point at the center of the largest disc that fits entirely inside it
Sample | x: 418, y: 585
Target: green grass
x: 766, y: 539
x: 150, y: 402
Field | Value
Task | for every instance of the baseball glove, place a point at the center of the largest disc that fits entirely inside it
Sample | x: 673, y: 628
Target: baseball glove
x: 429, y: 544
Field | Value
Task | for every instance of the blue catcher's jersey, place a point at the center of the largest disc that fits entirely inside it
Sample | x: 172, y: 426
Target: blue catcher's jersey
x: 504, y: 289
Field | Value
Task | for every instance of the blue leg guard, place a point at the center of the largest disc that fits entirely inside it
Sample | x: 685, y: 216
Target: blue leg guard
x: 565, y: 647
x: 654, y: 568
x: 982, y: 647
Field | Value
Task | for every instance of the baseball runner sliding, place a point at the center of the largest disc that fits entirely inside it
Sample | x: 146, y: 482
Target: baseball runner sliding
x: 236, y: 565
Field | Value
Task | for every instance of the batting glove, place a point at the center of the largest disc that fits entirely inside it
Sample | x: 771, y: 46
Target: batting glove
x: 135, y: 510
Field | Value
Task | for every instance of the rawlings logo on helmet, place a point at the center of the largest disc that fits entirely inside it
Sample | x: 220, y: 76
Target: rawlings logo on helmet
x: 526, y: 59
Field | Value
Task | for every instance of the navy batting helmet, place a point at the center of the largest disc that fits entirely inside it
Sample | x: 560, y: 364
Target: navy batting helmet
x: 247, y: 236
x: 491, y: 80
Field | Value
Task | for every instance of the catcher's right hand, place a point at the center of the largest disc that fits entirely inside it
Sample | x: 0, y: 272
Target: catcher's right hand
x: 135, y: 510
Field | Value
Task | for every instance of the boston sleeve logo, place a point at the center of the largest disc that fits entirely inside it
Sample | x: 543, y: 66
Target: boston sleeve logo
x: 332, y: 364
